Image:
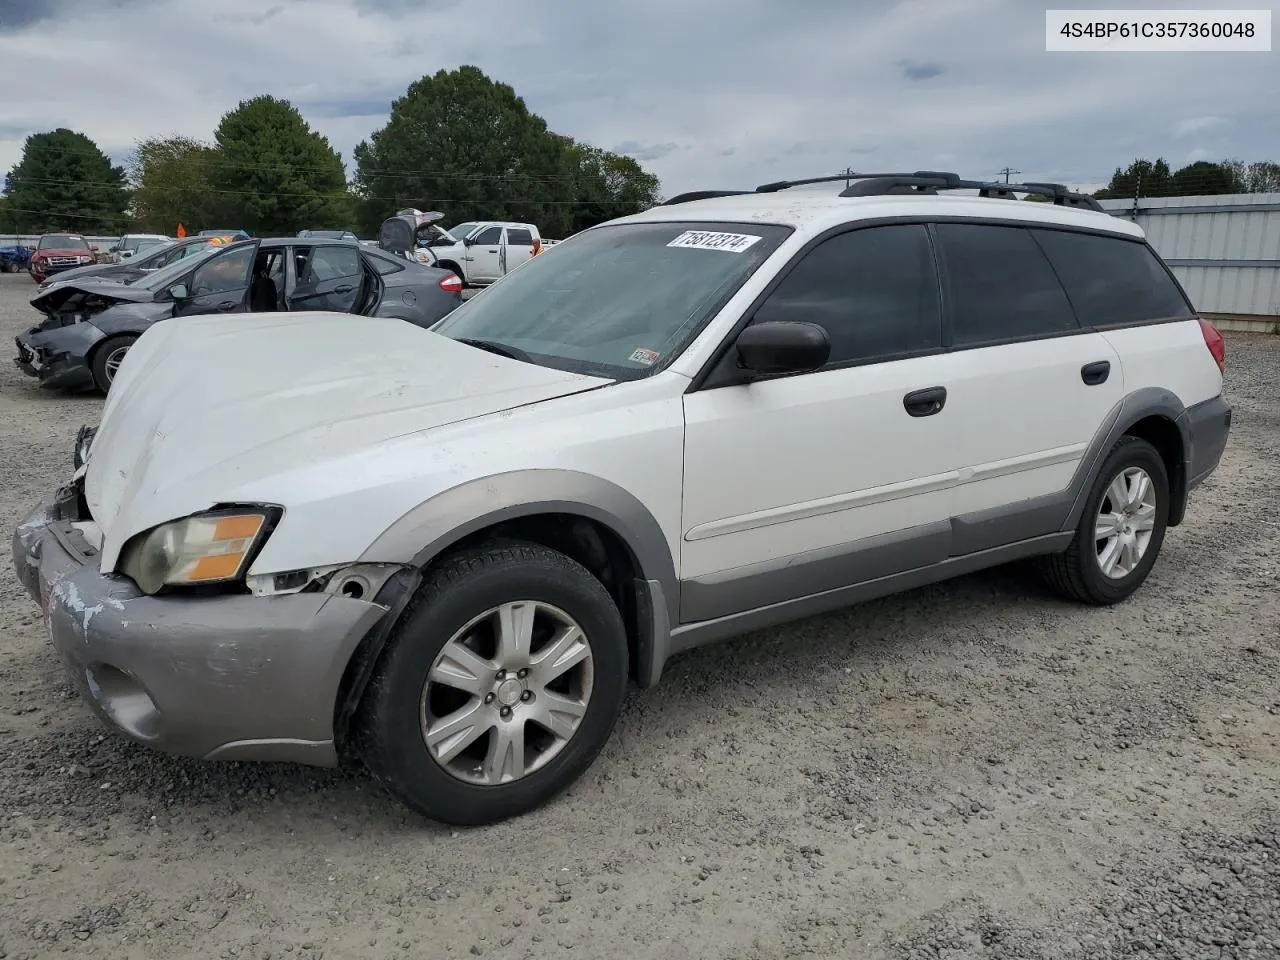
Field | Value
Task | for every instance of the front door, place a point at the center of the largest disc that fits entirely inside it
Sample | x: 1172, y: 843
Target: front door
x: 805, y: 483
x: 485, y: 254
x: 329, y: 277
x: 220, y: 284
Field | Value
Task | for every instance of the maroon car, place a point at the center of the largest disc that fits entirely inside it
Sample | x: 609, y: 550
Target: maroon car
x: 56, y: 252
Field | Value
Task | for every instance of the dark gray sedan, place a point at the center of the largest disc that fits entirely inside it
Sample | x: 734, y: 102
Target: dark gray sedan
x: 139, y: 265
x: 90, y: 324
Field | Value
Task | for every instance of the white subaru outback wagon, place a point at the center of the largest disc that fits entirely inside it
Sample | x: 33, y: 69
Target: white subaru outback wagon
x: 445, y: 553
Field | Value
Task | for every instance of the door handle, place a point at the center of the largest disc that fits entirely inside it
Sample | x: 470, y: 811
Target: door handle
x: 493, y: 249
x: 1095, y: 373
x: 345, y: 288
x: 228, y: 304
x: 926, y: 402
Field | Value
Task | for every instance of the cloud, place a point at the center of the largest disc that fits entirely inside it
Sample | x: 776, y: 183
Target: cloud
x: 643, y: 151
x: 919, y: 71
x: 1194, y: 125
x: 744, y: 92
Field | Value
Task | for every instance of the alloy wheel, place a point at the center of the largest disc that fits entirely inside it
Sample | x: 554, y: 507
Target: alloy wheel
x: 1125, y: 522
x: 507, y: 692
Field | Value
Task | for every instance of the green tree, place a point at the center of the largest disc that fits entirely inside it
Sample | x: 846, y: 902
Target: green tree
x: 1204, y: 179
x: 172, y: 184
x: 1142, y: 178
x: 273, y: 174
x: 65, y: 182
x: 606, y: 185
x: 468, y: 146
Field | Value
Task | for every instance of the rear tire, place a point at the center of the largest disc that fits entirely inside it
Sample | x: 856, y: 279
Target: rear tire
x: 107, y: 358
x: 1121, y: 528
x: 452, y: 721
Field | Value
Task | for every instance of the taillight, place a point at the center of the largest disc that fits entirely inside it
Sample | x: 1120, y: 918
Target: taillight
x: 1216, y: 344
x: 451, y: 284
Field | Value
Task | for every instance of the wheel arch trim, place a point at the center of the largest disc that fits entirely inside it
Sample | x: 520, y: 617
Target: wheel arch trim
x: 1131, y: 410
x: 428, y: 530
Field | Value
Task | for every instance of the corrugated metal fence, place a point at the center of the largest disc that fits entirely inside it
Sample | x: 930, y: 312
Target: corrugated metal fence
x: 1225, y: 250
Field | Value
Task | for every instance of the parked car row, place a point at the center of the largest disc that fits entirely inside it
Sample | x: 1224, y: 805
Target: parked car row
x: 91, y: 320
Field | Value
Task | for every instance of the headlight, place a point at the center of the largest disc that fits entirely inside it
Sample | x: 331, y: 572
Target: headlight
x: 204, y: 549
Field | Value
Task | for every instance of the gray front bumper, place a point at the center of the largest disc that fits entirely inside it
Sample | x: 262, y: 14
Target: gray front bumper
x: 235, y: 677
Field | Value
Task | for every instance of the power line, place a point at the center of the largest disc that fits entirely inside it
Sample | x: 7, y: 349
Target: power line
x: 325, y: 168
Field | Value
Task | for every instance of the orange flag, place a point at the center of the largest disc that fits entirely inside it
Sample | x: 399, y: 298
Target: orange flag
x: 182, y: 231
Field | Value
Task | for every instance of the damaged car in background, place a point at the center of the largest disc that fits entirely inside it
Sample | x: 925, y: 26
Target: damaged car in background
x: 89, y: 325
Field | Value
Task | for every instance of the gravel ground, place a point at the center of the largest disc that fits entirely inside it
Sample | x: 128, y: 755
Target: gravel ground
x: 970, y: 770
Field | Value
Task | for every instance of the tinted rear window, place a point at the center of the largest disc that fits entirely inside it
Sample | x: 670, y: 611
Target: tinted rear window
x: 1112, y: 280
x: 1000, y: 284
x: 519, y: 237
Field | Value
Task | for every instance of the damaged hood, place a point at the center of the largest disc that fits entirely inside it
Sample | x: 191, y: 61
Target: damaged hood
x: 89, y: 288
x: 211, y: 410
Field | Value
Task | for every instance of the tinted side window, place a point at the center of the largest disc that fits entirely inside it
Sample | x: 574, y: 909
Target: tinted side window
x: 224, y: 273
x: 1000, y: 285
x: 332, y: 263
x: 519, y: 238
x: 874, y: 291
x: 490, y: 235
x: 1111, y: 280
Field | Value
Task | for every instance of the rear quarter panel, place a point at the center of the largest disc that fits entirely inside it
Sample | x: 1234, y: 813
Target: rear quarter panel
x: 1172, y: 356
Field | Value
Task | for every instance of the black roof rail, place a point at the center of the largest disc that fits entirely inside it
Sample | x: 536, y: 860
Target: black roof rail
x: 931, y: 181
x: 919, y: 183
x: 702, y: 195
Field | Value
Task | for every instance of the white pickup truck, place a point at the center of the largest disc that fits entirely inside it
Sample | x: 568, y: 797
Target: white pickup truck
x: 480, y: 252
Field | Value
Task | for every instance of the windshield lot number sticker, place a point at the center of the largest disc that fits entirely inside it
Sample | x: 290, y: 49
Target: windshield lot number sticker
x: 706, y: 240
x: 644, y: 355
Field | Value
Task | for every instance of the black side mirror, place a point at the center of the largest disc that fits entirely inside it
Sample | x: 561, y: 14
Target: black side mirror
x: 775, y: 347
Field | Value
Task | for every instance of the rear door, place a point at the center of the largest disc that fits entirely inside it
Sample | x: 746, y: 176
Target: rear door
x: 329, y: 277
x: 220, y: 284
x: 484, y: 254
x: 1038, y: 386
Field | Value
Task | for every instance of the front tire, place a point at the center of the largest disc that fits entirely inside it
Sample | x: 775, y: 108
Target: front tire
x: 1121, y: 529
x: 499, y: 686
x: 107, y: 359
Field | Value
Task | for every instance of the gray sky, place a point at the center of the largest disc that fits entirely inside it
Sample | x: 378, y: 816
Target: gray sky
x: 706, y: 93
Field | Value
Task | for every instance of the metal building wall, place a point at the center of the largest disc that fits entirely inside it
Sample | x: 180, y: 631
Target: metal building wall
x: 1225, y: 250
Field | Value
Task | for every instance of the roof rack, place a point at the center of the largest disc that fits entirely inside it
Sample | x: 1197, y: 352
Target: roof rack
x: 919, y: 183
x: 931, y: 181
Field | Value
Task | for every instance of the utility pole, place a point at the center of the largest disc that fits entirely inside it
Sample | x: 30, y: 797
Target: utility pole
x: 848, y: 174
x: 1006, y: 173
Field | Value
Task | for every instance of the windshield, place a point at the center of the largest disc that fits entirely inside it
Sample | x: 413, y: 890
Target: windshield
x: 617, y: 301
x: 148, y: 245
x: 61, y: 241
x: 461, y: 230
x: 172, y: 273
